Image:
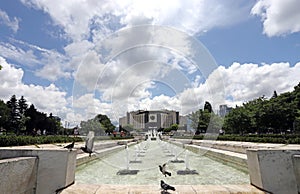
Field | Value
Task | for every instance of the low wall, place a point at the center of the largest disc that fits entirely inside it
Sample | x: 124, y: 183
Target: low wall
x: 296, y: 165
x: 236, y: 160
x: 105, y: 149
x: 275, y: 170
x: 55, y: 167
x: 18, y: 175
x: 230, y: 158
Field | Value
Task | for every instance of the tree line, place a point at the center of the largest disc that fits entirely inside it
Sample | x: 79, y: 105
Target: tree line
x: 100, y: 124
x: 16, y: 117
x: 205, y: 120
x: 277, y: 115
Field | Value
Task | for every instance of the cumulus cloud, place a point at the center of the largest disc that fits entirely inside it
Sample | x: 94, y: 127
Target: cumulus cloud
x: 18, y: 54
x: 78, y: 19
x: 244, y: 82
x: 235, y: 84
x: 46, y: 99
x: 117, y: 61
x: 91, y: 26
x: 278, y: 17
x: 47, y: 64
x: 231, y: 85
x: 11, y: 23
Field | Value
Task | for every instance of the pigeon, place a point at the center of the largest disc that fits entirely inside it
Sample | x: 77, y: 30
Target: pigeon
x: 87, y: 150
x: 166, y: 187
x: 163, y: 170
x: 70, y: 146
x: 89, y: 143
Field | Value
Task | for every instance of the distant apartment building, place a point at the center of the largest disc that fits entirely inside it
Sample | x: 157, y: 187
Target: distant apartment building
x: 153, y: 119
x: 224, y: 110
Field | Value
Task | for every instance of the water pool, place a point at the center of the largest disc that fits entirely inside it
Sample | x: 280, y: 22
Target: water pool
x: 151, y: 154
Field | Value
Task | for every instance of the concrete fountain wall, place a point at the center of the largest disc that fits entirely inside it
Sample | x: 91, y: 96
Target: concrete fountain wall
x: 37, y: 170
x: 18, y: 175
x: 275, y: 170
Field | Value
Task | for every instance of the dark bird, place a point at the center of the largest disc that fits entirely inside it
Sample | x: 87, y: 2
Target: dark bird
x: 166, y: 187
x: 89, y: 143
x: 163, y: 170
x: 70, y: 146
x: 87, y: 150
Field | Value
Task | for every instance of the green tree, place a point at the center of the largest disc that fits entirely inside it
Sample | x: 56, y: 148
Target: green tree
x: 237, y: 121
x: 274, y: 94
x: 203, y: 122
x: 174, y: 127
x: 31, y: 123
x: 92, y: 125
x: 22, y: 105
x: 14, y: 115
x: 106, y: 123
x: 200, y: 120
x: 208, y: 107
x: 128, y: 128
x: 40, y: 121
x: 279, y: 114
x: 4, y: 115
x: 296, y: 124
x: 52, y: 125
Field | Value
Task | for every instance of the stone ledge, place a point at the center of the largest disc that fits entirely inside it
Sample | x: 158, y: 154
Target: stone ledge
x: 84, y: 158
x: 236, y: 160
x: 274, y: 169
x: 55, y: 167
x: 154, y: 189
x: 18, y: 175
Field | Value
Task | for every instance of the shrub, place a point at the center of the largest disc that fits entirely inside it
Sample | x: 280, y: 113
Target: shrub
x: 261, y: 138
x: 13, y: 140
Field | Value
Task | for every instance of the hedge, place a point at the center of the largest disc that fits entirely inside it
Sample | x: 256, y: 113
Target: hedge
x: 13, y: 140
x: 262, y: 138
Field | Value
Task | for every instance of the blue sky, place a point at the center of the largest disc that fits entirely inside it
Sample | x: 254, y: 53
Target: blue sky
x: 80, y: 58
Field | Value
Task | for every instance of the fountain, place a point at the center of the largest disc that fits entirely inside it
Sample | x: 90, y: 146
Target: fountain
x: 152, y: 134
x: 187, y: 167
x: 175, y: 154
x: 108, y: 170
x: 137, y: 154
x: 167, y: 150
x: 127, y: 171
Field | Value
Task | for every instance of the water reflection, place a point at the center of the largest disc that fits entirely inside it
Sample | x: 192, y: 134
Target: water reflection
x: 155, y: 153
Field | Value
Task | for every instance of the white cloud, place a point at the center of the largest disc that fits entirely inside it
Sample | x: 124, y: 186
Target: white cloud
x: 244, y: 82
x: 47, y: 64
x: 78, y: 18
x: 278, y: 17
x: 88, y: 71
x: 239, y: 83
x: 122, y: 67
x: 87, y: 107
x: 95, y: 20
x: 46, y: 99
x: 18, y: 54
x: 11, y: 23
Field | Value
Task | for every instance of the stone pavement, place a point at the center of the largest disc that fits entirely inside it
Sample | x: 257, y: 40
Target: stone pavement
x: 155, y: 189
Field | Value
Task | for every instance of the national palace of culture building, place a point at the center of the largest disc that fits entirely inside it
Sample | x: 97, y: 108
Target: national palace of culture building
x: 153, y: 119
